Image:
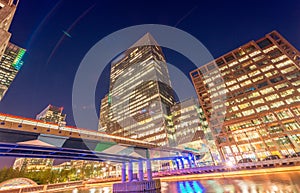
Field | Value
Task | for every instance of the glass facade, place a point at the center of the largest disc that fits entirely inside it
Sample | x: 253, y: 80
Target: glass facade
x: 261, y: 82
x: 10, y: 64
x: 192, y: 131
x: 140, y: 94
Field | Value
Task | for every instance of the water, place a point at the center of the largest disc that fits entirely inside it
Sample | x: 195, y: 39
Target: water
x: 288, y: 182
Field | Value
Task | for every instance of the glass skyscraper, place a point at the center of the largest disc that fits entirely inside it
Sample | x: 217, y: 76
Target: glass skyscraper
x: 140, y: 94
x: 10, y: 54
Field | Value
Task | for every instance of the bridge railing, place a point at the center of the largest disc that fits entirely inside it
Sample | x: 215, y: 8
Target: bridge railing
x: 226, y: 168
x: 5, y: 118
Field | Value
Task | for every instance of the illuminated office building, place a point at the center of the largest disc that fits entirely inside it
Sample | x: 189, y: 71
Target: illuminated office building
x: 7, y: 11
x: 10, y: 64
x: 52, y: 114
x: 140, y: 94
x: 191, y: 129
x: 260, y: 85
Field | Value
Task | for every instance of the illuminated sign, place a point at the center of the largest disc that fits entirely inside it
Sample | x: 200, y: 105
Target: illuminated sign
x: 18, y: 63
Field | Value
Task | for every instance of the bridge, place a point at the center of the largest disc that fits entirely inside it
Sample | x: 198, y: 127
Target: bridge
x: 23, y: 137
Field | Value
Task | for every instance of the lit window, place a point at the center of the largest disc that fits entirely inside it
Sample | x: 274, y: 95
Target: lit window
x: 240, y: 79
x: 248, y: 112
x: 284, y: 114
x: 231, y: 82
x: 244, y: 58
x: 272, y: 97
x: 251, y: 74
x: 279, y: 58
x: 258, y: 58
x: 267, y: 68
x: 235, y: 108
x: 258, y: 78
x: 297, y: 111
x: 282, y: 64
x: 253, y: 95
x: 267, y: 90
x: 245, y: 105
x: 277, y: 104
x: 281, y: 86
x: 255, y: 53
x: 287, y: 92
x: 232, y: 63
x: 234, y: 87
x: 259, y: 101
x: 289, y: 69
x: 262, y: 108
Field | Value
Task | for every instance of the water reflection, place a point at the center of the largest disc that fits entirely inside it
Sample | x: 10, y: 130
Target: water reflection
x: 288, y: 182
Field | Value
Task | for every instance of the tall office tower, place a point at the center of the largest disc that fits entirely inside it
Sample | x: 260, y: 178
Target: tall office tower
x: 262, y: 88
x: 7, y: 11
x: 52, y: 114
x: 10, y: 64
x: 192, y: 131
x: 140, y: 94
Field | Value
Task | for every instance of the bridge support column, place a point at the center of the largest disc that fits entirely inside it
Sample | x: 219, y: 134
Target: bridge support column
x: 177, y: 164
x: 130, y: 171
x: 182, y: 163
x: 149, y: 170
x: 141, y: 172
x: 123, y: 172
x: 190, y: 162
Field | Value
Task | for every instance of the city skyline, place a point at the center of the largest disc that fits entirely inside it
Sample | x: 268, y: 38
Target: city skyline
x: 160, y: 96
x: 58, y: 84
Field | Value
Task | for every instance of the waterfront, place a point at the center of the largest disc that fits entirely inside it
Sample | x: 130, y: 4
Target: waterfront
x: 284, y: 182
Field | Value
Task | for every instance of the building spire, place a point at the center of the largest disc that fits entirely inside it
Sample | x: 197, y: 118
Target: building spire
x: 147, y: 39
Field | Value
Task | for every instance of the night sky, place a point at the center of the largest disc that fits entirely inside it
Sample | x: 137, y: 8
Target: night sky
x: 52, y: 57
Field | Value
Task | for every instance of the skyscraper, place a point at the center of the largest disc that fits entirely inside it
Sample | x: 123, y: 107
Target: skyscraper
x: 10, y: 64
x: 11, y: 61
x: 140, y: 94
x: 257, y: 89
x: 52, y: 114
x: 7, y: 11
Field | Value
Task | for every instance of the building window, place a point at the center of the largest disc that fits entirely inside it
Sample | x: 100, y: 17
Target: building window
x: 287, y: 92
x: 264, y: 43
x: 277, y: 104
x: 262, y: 108
x: 245, y: 105
x: 259, y: 101
x: 272, y: 97
x: 284, y: 114
x: 248, y: 112
x: 253, y: 95
x: 267, y: 90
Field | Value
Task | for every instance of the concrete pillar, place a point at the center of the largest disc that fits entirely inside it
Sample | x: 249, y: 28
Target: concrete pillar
x: 149, y: 170
x: 130, y: 171
x: 123, y: 172
x: 141, y: 172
